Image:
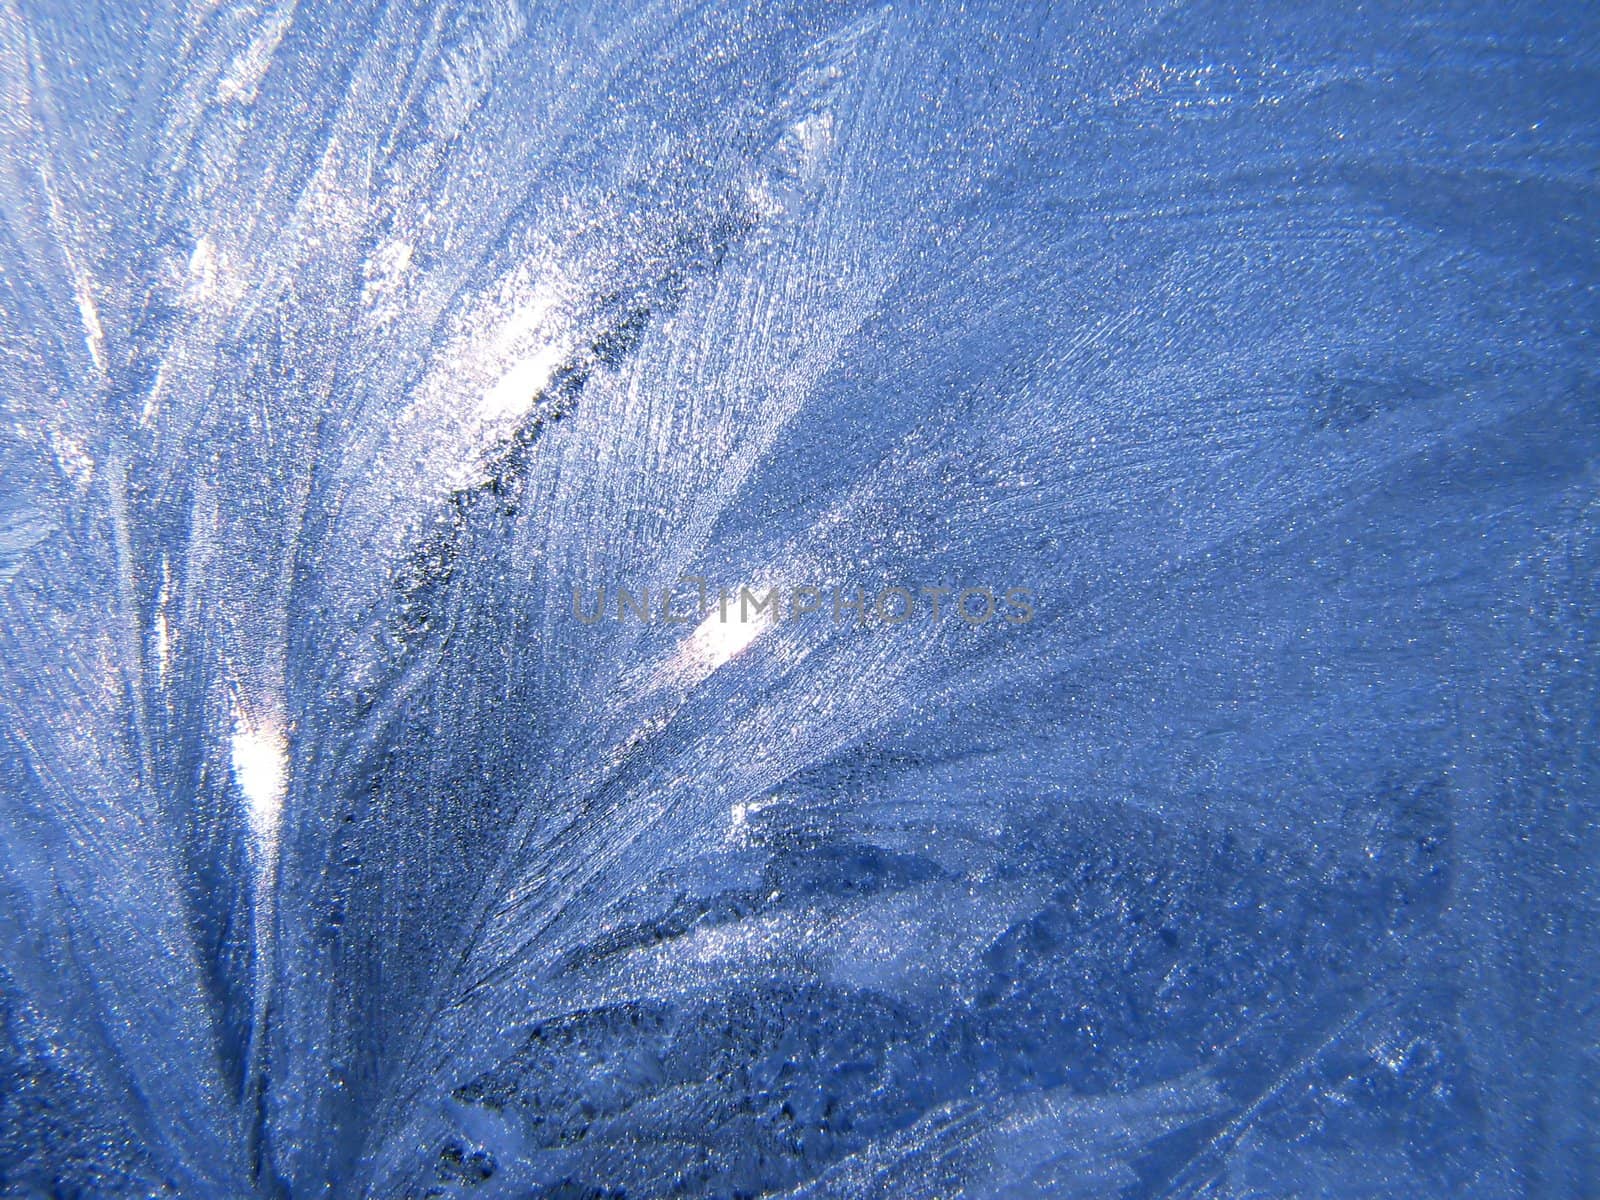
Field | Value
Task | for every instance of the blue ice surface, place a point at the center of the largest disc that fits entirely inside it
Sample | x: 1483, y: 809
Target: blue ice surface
x: 343, y: 342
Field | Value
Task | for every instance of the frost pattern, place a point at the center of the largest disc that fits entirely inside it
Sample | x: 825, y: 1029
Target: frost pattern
x: 343, y: 341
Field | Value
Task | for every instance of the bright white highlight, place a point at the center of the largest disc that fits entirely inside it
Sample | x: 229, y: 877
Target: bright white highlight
x: 261, y: 768
x: 716, y: 641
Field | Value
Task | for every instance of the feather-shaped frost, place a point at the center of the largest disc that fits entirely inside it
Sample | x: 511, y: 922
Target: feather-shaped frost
x: 354, y: 352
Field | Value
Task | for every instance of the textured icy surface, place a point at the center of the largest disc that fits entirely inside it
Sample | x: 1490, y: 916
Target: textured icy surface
x: 341, y: 341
